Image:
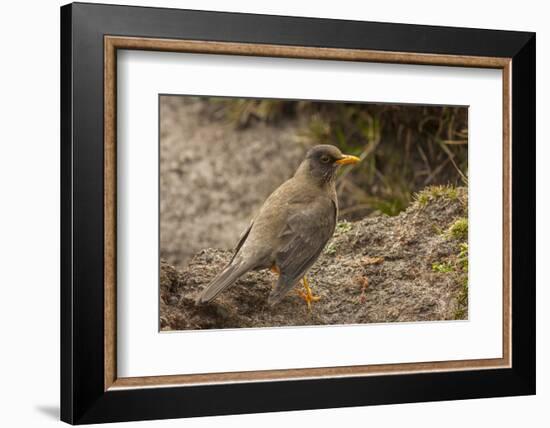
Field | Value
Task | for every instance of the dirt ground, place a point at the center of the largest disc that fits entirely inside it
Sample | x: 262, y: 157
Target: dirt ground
x: 214, y: 177
x: 379, y: 269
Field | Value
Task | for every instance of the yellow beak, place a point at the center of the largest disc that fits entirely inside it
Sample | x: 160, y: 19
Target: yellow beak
x: 347, y: 160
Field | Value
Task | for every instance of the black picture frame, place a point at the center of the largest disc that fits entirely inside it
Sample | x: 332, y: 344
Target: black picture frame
x: 83, y: 398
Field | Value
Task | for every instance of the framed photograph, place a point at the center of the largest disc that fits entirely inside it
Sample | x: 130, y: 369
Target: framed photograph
x: 266, y: 213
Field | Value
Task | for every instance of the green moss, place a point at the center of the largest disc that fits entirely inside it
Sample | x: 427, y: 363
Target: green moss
x: 462, y: 298
x: 344, y: 226
x: 443, y: 267
x: 463, y: 256
x: 459, y: 229
x: 330, y: 249
x: 422, y: 198
x: 459, y: 313
x: 463, y: 295
x: 432, y: 193
x: 437, y: 230
x: 457, y: 266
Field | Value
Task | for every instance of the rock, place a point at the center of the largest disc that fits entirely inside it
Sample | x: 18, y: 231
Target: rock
x: 379, y: 269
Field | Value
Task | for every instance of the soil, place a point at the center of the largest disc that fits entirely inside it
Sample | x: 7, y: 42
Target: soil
x: 378, y: 269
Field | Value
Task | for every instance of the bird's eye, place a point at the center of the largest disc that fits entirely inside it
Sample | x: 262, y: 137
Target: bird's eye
x: 325, y: 159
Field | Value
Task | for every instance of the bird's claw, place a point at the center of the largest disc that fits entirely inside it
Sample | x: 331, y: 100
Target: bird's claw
x: 308, y: 298
x: 307, y: 295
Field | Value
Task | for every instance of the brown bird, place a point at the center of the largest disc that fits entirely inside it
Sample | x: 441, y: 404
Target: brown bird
x: 291, y: 229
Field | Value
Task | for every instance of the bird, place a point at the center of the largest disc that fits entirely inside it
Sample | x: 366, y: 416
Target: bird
x: 290, y: 230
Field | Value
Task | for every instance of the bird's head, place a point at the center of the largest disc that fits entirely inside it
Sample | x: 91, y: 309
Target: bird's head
x: 322, y: 162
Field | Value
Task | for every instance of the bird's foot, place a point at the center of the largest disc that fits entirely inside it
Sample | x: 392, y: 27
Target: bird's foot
x: 307, y: 294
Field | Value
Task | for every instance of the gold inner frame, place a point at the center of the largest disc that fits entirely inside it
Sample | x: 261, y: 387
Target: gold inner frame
x: 112, y: 43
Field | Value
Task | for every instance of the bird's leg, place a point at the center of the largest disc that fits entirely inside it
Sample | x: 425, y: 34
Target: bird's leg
x: 275, y: 270
x: 307, y: 295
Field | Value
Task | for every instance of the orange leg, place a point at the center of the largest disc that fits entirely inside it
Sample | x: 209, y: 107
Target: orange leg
x: 307, y: 295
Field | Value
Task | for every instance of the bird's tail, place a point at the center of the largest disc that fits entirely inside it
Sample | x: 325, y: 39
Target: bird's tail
x: 223, y: 280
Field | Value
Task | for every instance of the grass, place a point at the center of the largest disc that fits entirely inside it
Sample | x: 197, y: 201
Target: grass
x: 344, y: 226
x: 432, y: 193
x: 460, y: 313
x: 463, y: 256
x: 457, y: 265
x: 443, y: 267
x: 330, y: 249
x: 459, y: 229
x: 462, y: 298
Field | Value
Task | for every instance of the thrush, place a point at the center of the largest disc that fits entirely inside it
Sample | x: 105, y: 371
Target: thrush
x: 291, y: 228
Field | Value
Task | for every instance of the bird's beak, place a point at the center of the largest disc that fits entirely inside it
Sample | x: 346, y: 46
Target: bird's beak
x: 347, y: 160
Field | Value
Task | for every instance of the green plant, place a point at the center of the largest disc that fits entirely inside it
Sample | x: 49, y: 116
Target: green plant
x: 344, y: 226
x: 443, y: 267
x: 459, y: 229
x: 463, y: 256
x: 462, y: 298
x: 330, y: 249
x: 432, y: 193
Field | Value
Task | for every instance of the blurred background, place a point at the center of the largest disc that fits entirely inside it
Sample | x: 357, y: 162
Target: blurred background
x: 221, y: 157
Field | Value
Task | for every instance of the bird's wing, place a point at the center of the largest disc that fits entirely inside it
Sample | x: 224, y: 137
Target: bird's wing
x: 308, y: 229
